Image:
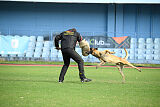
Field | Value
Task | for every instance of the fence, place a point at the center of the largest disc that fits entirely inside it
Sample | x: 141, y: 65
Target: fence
x: 41, y: 48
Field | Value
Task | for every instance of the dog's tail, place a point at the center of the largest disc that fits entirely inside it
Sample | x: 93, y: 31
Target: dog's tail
x: 126, y: 53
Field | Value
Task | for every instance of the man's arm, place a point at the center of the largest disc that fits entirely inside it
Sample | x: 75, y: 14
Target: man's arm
x: 79, y: 37
x: 56, y: 41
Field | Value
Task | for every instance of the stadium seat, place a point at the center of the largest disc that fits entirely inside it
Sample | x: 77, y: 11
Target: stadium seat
x: 133, y: 40
x: 38, y: 49
x: 157, y: 46
x: 9, y: 35
x: 141, y: 57
x: 149, y: 57
x: 46, y: 43
x: 157, y: 41
x: 118, y: 52
x: 16, y: 36
x: 29, y: 54
x: 156, y: 57
x: 156, y: 52
x: 24, y: 36
x: 33, y: 38
x: 141, y: 46
x: 40, y: 38
x: 46, y: 49
x: 31, y: 45
x: 140, y: 51
x: 133, y: 46
x: 141, y: 40
x: 21, y: 56
x: 45, y: 54
x: 149, y: 51
x: 149, y: 46
x: 149, y: 41
x: 39, y: 44
x: 12, y: 57
x: 140, y: 54
x: 79, y: 51
x: 54, y: 54
x: 37, y: 55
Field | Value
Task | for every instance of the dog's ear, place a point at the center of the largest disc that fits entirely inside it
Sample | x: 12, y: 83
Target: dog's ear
x: 96, y: 48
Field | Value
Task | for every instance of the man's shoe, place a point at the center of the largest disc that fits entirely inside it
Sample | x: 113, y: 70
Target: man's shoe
x: 60, y: 81
x: 86, y: 80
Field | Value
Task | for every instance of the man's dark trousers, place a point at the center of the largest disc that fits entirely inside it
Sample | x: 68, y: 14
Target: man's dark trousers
x: 71, y: 53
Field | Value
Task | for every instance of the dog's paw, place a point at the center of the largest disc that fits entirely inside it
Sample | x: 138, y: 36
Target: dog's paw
x: 96, y: 67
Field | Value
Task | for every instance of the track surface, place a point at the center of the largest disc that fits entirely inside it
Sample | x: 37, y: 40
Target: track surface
x: 70, y: 65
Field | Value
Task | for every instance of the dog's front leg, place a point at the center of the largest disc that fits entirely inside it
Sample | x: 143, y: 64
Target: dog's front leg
x: 101, y: 63
x: 120, y: 67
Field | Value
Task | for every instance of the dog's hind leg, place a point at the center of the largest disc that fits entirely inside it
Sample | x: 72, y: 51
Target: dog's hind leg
x: 133, y: 67
x: 120, y: 67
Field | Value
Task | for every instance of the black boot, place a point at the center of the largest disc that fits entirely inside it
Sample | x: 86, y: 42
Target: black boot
x: 85, y: 80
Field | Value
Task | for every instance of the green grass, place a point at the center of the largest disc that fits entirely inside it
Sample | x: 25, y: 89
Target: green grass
x: 72, y: 63
x: 24, y: 86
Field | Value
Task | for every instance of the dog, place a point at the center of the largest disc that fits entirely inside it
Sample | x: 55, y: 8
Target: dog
x: 107, y: 56
x: 84, y: 45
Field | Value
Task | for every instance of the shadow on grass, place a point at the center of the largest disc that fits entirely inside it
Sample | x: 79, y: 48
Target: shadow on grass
x: 28, y: 80
x: 47, y: 81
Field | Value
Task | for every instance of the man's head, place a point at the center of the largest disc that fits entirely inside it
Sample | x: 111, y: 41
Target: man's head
x: 73, y: 30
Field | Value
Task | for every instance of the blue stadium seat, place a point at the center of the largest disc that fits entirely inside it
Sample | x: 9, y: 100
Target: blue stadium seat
x: 118, y: 52
x: 16, y: 36
x: 45, y: 54
x: 141, y: 40
x: 40, y: 38
x: 46, y: 49
x: 20, y: 56
x: 133, y: 40
x: 156, y: 57
x: 157, y: 41
x: 39, y: 44
x: 29, y: 54
x: 149, y: 41
x: 157, y: 46
x: 141, y: 46
x: 60, y: 57
x: 149, y: 57
x: 133, y: 45
x: 33, y: 38
x: 149, y: 46
x: 140, y: 54
x: 156, y: 52
x: 79, y: 51
x: 46, y: 43
x: 12, y: 57
x: 37, y: 55
x: 38, y: 49
x: 24, y: 36
x: 31, y: 45
x: 141, y: 57
x: 54, y: 54
x: 149, y: 51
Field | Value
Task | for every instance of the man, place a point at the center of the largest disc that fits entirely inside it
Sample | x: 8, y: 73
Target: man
x: 69, y: 39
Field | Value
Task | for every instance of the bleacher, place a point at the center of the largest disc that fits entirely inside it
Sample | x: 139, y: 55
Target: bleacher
x: 142, y: 50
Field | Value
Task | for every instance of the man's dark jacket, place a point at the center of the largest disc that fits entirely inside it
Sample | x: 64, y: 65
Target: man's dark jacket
x: 68, y: 39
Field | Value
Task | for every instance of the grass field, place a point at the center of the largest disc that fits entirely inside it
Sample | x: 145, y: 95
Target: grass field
x: 27, y: 86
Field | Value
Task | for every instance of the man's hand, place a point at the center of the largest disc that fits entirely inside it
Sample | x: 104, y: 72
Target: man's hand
x: 58, y: 48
